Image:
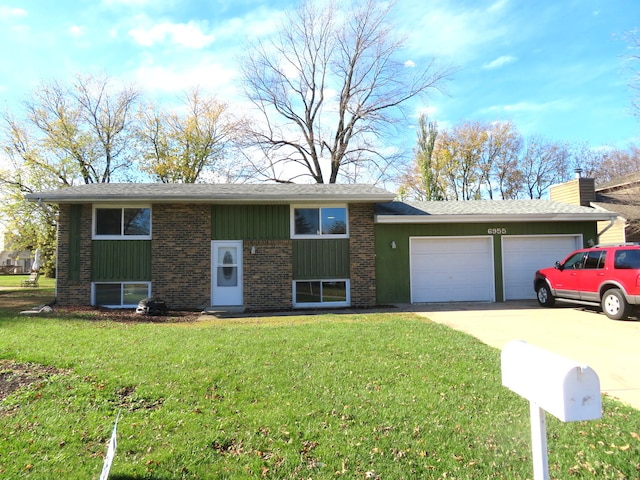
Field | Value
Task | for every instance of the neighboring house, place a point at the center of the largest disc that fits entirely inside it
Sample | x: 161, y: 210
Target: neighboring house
x: 268, y: 247
x: 621, y: 196
x: 12, y: 261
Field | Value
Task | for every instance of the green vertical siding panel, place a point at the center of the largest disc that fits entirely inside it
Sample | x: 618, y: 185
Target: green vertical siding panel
x: 393, y: 284
x: 318, y: 259
x: 121, y: 260
x: 250, y: 222
x: 74, y: 242
x: 497, y: 268
x: 392, y: 264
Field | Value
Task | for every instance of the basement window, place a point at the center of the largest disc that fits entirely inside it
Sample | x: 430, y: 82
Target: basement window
x: 321, y: 293
x: 119, y: 294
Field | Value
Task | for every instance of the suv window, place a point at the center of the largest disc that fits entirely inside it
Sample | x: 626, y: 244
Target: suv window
x: 595, y: 259
x: 626, y: 259
x: 574, y: 261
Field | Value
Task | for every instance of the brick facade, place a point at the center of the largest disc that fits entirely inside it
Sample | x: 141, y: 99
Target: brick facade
x: 181, y: 260
x: 268, y: 274
x: 181, y: 255
x: 362, y: 255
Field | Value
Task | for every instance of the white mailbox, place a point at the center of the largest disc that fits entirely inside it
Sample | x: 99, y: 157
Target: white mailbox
x: 556, y: 384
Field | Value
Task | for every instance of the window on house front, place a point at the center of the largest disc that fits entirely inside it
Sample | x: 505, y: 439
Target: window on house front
x: 320, y: 221
x: 125, y: 294
x: 325, y: 293
x: 122, y: 222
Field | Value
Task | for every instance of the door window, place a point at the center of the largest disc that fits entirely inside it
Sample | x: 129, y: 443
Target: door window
x: 227, y: 267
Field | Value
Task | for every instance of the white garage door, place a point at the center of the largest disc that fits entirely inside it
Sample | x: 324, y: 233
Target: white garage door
x: 522, y: 256
x: 452, y: 269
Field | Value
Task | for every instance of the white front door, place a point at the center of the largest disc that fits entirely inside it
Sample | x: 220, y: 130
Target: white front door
x: 226, y: 273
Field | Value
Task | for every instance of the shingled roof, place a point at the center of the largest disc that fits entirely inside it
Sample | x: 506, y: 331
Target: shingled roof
x: 485, y: 210
x: 213, y: 193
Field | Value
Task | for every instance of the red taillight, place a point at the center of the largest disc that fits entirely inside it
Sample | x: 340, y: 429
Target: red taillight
x: 638, y: 281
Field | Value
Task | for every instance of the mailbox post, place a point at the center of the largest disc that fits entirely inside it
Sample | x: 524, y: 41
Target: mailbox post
x: 551, y: 383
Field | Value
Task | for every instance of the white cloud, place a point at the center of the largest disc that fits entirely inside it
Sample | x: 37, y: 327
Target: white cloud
x: 129, y: 3
x: 526, y: 107
x: 410, y: 64
x: 448, y: 30
x: 429, y: 111
x: 11, y: 12
x: 76, y: 31
x: 518, y: 107
x: 188, y: 35
x: 258, y: 23
x: 498, y: 5
x: 175, y: 79
x: 499, y: 62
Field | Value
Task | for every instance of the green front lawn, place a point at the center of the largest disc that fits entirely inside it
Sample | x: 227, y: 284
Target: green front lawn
x: 377, y: 396
x: 14, y: 281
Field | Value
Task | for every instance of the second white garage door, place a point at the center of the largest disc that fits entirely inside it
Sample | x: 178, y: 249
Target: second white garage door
x: 522, y: 256
x: 452, y: 269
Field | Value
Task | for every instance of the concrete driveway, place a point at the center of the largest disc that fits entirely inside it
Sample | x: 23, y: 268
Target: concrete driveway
x: 611, y: 348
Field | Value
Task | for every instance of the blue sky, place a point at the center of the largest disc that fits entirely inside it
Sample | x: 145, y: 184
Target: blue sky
x: 556, y: 68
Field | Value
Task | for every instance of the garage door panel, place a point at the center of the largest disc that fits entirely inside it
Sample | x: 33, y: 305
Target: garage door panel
x: 522, y: 256
x: 451, y: 269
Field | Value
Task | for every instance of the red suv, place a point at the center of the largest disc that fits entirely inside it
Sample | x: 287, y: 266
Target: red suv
x: 604, y: 275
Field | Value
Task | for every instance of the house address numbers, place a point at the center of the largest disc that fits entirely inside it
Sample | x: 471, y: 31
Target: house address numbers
x: 497, y: 231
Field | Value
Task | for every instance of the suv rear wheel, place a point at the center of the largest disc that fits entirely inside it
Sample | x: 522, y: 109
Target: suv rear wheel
x: 614, y: 305
x: 545, y: 298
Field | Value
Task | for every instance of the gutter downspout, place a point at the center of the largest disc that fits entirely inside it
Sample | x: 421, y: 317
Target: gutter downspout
x: 612, y: 220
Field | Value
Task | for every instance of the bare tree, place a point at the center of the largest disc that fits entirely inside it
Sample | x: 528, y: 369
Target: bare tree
x: 605, y: 165
x: 328, y: 86
x: 460, y: 156
x: 182, y: 148
x: 84, y: 127
x: 543, y: 164
x: 504, y: 144
x: 474, y: 160
x: 68, y: 134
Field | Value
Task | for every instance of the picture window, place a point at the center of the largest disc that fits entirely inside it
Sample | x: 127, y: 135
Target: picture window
x: 320, y: 221
x: 122, y: 222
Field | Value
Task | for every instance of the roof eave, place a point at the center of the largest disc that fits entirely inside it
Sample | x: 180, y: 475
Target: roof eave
x: 551, y: 217
x: 222, y: 199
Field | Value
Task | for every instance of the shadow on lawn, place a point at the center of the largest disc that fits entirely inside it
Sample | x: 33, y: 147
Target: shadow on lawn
x: 15, y: 300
